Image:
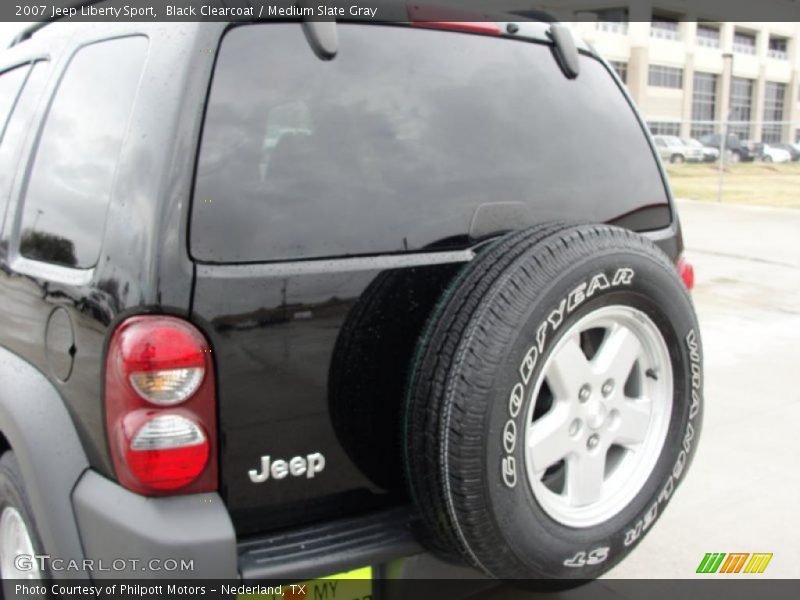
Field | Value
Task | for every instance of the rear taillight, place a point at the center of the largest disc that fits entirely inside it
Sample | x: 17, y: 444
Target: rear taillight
x: 686, y: 271
x: 466, y: 26
x: 161, y: 407
x: 454, y: 19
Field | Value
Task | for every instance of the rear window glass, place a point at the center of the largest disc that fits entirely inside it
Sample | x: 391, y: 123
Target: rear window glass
x: 393, y: 144
x: 70, y: 182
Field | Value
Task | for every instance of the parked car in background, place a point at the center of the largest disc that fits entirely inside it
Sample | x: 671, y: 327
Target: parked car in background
x: 709, y: 154
x: 672, y: 149
x: 792, y: 149
x: 739, y: 150
x: 772, y: 153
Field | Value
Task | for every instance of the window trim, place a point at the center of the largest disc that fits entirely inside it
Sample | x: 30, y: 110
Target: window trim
x: 50, y: 271
x: 8, y: 69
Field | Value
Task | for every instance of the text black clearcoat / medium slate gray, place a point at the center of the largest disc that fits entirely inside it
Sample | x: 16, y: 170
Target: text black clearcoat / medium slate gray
x: 274, y: 286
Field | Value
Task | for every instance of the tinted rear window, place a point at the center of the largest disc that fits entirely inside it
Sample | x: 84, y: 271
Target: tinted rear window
x: 393, y: 145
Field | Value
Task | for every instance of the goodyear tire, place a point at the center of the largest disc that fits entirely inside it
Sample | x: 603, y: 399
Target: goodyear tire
x: 554, y: 404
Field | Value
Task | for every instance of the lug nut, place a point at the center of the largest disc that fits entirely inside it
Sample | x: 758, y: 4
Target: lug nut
x: 575, y: 427
x: 607, y: 388
x: 592, y: 442
x: 584, y: 393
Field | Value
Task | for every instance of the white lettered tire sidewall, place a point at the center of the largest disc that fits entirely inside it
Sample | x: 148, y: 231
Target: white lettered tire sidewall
x: 635, y: 280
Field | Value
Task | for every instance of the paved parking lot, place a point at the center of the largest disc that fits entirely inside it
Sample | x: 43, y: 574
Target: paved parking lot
x: 743, y: 492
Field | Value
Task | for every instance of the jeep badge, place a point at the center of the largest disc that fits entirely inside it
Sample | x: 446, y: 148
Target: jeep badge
x: 297, y: 467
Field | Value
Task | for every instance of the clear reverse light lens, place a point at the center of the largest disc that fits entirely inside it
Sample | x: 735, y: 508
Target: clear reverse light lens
x: 166, y: 432
x: 169, y: 386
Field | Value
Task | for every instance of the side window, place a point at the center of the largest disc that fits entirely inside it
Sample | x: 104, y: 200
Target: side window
x: 10, y: 84
x: 15, y: 110
x: 70, y: 183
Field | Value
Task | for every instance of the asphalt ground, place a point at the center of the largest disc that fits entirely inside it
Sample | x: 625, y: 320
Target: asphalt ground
x: 743, y: 491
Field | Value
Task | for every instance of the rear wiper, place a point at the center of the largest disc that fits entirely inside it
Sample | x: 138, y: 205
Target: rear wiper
x: 565, y: 50
x: 321, y: 35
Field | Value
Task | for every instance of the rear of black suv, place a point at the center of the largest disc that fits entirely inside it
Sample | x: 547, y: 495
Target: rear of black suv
x: 340, y: 305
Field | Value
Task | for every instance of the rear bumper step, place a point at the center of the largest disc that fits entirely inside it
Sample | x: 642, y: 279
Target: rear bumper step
x: 328, y: 548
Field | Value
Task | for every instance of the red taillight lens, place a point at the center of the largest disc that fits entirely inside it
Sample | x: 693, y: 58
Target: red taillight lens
x: 454, y: 19
x: 467, y: 26
x: 686, y: 271
x: 161, y: 407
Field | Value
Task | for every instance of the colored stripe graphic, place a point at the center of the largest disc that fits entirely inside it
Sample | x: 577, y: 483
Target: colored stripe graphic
x: 734, y: 562
x: 711, y: 562
x: 758, y: 563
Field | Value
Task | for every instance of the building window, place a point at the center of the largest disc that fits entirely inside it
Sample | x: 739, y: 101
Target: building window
x: 621, y: 68
x: 744, y: 43
x: 704, y: 99
x: 778, y: 48
x: 664, y: 28
x: 708, y: 36
x: 668, y: 77
x: 664, y: 127
x: 774, y: 94
x: 741, y: 107
x: 612, y: 20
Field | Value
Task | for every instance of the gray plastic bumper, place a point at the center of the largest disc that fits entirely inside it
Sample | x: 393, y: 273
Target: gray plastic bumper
x: 126, y: 535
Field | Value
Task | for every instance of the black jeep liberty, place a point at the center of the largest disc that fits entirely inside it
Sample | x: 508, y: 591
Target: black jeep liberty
x: 285, y: 299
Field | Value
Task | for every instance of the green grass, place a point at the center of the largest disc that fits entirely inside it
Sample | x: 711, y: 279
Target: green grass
x: 744, y: 183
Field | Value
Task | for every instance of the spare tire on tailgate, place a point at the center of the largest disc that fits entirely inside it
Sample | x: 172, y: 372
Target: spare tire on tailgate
x: 554, y: 403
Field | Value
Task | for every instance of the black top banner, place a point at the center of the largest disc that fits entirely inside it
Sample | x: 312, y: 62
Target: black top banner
x: 395, y: 10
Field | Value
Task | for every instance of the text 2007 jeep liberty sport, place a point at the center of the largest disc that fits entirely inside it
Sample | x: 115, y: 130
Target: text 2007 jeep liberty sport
x: 285, y: 299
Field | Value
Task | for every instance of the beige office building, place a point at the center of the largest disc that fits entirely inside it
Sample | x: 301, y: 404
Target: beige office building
x: 687, y: 76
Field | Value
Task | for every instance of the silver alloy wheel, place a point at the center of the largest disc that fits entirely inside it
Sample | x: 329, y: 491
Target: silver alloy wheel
x: 598, y: 416
x: 15, y: 541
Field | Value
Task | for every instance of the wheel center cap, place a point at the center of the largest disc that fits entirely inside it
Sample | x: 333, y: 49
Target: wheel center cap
x: 595, y: 414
